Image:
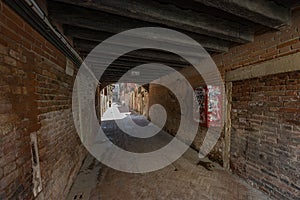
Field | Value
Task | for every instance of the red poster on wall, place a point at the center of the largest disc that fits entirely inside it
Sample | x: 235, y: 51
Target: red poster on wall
x: 208, y: 102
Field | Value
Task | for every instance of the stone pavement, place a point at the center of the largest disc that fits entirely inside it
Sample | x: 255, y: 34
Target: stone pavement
x: 182, y: 180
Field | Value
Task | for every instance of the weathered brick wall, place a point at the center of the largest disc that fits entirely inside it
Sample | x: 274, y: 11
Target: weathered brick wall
x: 139, y: 100
x: 163, y: 96
x: 265, y: 114
x: 264, y: 47
x: 35, y: 97
x: 266, y: 133
x: 282, y: 104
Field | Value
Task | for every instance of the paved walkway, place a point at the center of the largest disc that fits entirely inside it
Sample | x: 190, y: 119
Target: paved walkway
x: 183, y: 180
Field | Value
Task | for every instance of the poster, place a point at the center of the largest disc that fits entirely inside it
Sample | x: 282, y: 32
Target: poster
x: 208, y: 102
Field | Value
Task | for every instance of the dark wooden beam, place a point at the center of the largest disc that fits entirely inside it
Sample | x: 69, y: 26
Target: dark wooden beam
x: 132, y: 63
x: 144, y: 13
x: 118, y: 69
x: 286, y: 3
x: 142, y: 79
x: 114, y: 48
x: 138, y: 61
x: 143, y: 55
x: 266, y: 12
x: 148, y: 54
x: 115, y: 72
x: 209, y: 43
x: 118, y: 75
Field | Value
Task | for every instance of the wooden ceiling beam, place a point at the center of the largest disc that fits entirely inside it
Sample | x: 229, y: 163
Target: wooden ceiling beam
x: 189, y: 52
x: 115, y: 79
x: 265, y: 12
x: 134, y: 63
x: 209, y: 43
x: 154, y: 55
x: 142, y: 14
x: 134, y: 58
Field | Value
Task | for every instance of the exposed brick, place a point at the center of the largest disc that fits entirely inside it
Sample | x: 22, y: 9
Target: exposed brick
x: 288, y: 43
x: 27, y: 76
x: 17, y: 56
x: 289, y: 110
x: 40, y: 100
x: 3, y: 49
x: 1, y: 173
x: 9, y: 168
x: 296, y: 46
x: 271, y: 151
x: 13, y: 16
x: 5, y: 181
x: 265, y: 47
x: 10, y: 61
x: 5, y: 107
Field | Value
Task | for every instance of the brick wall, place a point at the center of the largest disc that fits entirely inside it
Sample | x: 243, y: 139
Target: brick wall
x: 265, y: 114
x: 265, y: 47
x: 139, y: 100
x: 35, y: 97
x: 280, y: 96
x: 163, y: 96
x: 266, y: 133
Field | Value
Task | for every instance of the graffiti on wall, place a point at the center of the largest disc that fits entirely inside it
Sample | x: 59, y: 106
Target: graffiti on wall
x: 208, y: 102
x: 199, y: 105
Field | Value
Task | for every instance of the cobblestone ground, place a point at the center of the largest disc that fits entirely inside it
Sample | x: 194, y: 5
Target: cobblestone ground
x: 183, y: 180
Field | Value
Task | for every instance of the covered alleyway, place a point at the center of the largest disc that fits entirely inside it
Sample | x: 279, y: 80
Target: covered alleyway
x: 183, y: 179
x: 222, y: 77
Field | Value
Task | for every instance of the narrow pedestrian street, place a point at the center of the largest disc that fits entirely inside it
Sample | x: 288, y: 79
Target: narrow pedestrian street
x: 183, y: 179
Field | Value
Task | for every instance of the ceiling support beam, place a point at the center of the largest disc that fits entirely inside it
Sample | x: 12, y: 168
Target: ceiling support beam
x: 265, y: 12
x: 86, y: 47
x: 209, y: 43
x: 145, y: 13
